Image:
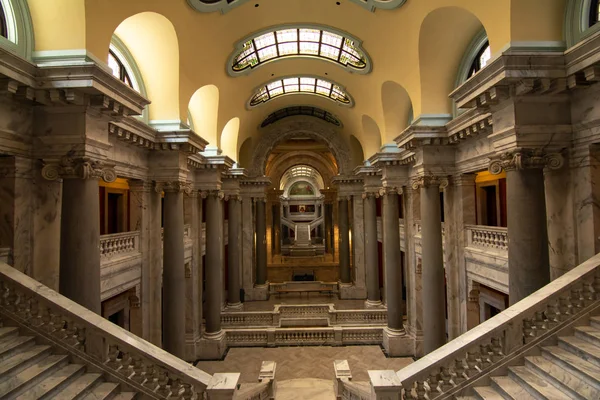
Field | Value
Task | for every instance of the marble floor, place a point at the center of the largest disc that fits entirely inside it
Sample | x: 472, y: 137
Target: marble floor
x: 304, y: 362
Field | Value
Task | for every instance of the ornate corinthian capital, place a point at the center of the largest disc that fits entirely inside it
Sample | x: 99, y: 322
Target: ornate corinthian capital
x: 81, y: 167
x: 173, y: 187
x: 429, y: 180
x: 218, y: 193
x: 390, y: 190
x: 520, y: 159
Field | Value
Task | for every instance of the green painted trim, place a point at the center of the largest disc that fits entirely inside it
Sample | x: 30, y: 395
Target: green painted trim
x: 240, y: 45
x: 465, y: 63
x: 190, y: 120
x: 390, y: 148
x: 255, y: 90
x: 19, y: 26
x: 534, y: 46
x: 168, y: 125
x: 432, y: 120
x: 224, y: 6
x: 577, y: 16
x: 67, y: 57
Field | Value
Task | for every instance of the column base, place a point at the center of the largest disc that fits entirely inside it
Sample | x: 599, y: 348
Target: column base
x: 348, y: 291
x: 191, y: 348
x: 212, y: 346
x: 257, y: 293
x: 234, y: 306
x: 397, y: 343
x: 373, y: 304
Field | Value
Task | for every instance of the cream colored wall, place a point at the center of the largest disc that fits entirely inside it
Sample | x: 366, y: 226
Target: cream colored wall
x: 396, y: 40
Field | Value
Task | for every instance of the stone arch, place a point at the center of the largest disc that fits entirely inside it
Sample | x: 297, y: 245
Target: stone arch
x: 279, y: 165
x: 397, y: 107
x: 300, y: 127
x: 204, y: 109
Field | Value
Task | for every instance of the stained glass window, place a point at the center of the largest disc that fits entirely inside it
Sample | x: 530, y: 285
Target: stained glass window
x: 309, y: 42
x: 301, y: 110
x: 118, y: 69
x: 594, y: 12
x: 300, y: 84
x: 481, y: 60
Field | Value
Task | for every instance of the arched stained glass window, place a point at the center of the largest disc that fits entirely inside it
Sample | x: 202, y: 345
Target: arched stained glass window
x: 118, y: 69
x: 300, y: 85
x: 594, y: 12
x: 305, y: 41
x: 300, y: 110
x: 481, y: 59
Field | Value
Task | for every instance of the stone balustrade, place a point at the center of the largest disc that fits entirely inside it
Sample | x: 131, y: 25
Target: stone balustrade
x: 137, y: 364
x: 330, y: 336
x: 487, y: 237
x: 119, y: 244
x: 451, y: 370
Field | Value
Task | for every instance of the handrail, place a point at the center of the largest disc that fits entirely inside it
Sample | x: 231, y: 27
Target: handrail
x: 316, y: 222
x: 465, y: 359
x: 115, y: 351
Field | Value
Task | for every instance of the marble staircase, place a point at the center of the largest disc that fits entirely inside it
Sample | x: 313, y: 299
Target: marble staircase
x: 30, y: 369
x: 302, y: 235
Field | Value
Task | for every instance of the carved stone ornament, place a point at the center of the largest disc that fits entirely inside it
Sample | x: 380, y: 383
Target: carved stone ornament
x: 82, y: 168
x: 390, y: 190
x: 521, y: 159
x: 173, y: 186
x: 218, y: 193
x: 370, y: 194
x: 233, y: 197
x: 255, y: 199
x: 429, y: 180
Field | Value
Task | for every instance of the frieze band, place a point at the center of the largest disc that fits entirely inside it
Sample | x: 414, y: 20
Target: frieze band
x: 521, y: 159
x: 82, y: 168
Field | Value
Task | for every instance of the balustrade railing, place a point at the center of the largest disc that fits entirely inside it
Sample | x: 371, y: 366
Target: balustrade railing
x: 119, y: 244
x: 487, y: 237
x: 124, y: 357
x: 454, y: 367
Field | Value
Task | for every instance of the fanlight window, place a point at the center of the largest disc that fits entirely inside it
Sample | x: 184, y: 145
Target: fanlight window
x: 118, y: 69
x: 594, y: 12
x: 301, y: 85
x: 300, y: 110
x: 3, y: 23
x: 300, y: 42
x: 483, y: 57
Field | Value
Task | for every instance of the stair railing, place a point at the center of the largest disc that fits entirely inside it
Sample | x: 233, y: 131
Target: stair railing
x: 454, y: 367
x: 122, y: 356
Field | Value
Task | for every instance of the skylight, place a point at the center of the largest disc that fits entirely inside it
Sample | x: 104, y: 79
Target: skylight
x: 301, y: 85
x: 308, y: 41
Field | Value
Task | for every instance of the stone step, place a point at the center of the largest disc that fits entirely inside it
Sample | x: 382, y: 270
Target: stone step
x: 535, y: 384
x: 487, y: 393
x: 8, y: 331
x: 581, y: 348
x: 584, y: 370
x: 510, y: 389
x: 22, y: 360
x: 79, y: 388
x: 125, y: 396
x: 13, y: 344
x: 22, y: 381
x: 53, y: 384
x: 588, y: 334
x: 104, y: 390
x: 570, y: 384
x: 595, y: 322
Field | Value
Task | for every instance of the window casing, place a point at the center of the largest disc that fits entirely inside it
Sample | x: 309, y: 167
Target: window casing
x: 118, y: 69
x: 481, y: 59
x: 3, y: 23
x: 300, y: 85
x: 594, y: 12
x: 301, y: 110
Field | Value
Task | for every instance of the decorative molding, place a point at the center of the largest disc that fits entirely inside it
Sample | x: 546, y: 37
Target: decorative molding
x: 173, y: 187
x: 82, y: 168
x: 224, y: 6
x: 370, y: 194
x: 520, y: 159
x: 390, y: 191
x: 214, y: 193
x: 429, y: 180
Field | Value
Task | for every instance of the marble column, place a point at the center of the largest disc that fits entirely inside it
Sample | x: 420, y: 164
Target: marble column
x: 234, y: 249
x: 344, y: 228
x: 327, y: 230
x: 261, y: 242
x: 371, y: 255
x: 528, y: 258
x: 393, y: 264
x: 214, y: 262
x: 434, y: 302
x: 277, y: 229
x: 173, y: 270
x: 79, y: 243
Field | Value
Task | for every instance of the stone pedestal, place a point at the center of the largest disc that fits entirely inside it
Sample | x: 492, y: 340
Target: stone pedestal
x: 212, y: 346
x: 397, y: 343
x: 385, y: 385
x: 222, y: 386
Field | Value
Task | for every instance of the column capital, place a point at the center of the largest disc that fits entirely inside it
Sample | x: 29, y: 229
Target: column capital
x: 429, y: 180
x: 523, y: 158
x: 463, y: 180
x: 217, y: 193
x: 371, y: 193
x: 234, y: 197
x: 78, y: 168
x: 259, y: 199
x: 390, y: 190
x: 173, y: 187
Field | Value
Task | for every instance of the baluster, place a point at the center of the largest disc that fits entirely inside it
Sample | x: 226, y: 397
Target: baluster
x: 472, y: 363
x: 445, y: 377
x: 36, y: 315
x: 164, y: 389
x: 496, y: 346
x: 528, y: 334
x: 126, y: 365
x: 552, y: 315
x: 176, y: 387
x: 587, y: 293
x: 485, y: 356
x: 152, y: 377
x: 187, y: 392
x: 138, y: 371
x: 596, y: 284
x: 113, y: 361
x: 576, y: 299
x: 434, y: 381
x: 539, y: 324
x: 564, y: 307
x: 58, y: 323
x: 421, y: 391
x: 459, y: 369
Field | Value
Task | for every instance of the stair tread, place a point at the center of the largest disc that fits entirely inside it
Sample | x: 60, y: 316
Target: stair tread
x: 568, y: 380
x: 125, y: 396
x: 587, y: 350
x: 589, y: 330
x: 537, y: 383
x: 8, y: 330
x: 102, y: 391
x: 78, y: 386
x: 10, y: 363
x: 595, y: 319
x: 574, y: 361
x: 8, y: 344
x: 52, y: 382
x: 26, y: 376
x: 512, y: 388
x: 488, y: 393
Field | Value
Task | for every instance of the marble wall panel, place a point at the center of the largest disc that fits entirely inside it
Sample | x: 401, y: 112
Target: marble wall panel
x: 487, y: 268
x: 120, y: 275
x: 16, y: 127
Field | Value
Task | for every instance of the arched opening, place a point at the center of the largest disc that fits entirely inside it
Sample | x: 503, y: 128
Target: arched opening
x: 397, y: 108
x: 16, y: 27
x: 229, y: 138
x: 371, y: 136
x: 204, y: 110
